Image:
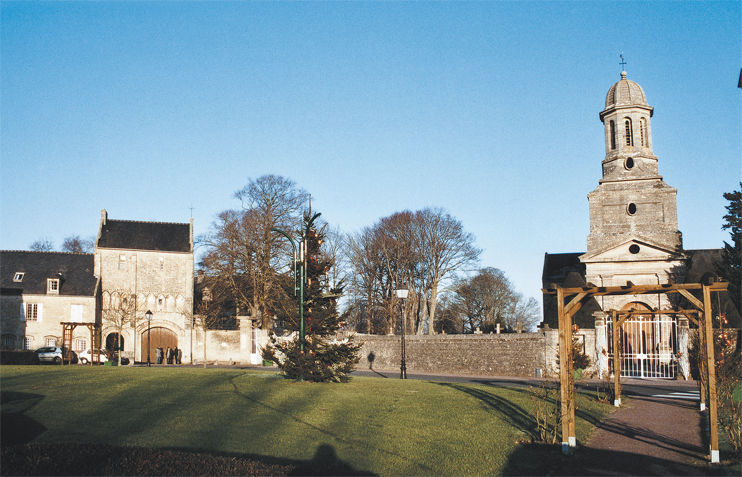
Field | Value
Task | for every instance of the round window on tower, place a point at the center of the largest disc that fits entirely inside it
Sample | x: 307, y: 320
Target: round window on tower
x: 631, y: 209
x: 629, y: 164
x: 634, y: 249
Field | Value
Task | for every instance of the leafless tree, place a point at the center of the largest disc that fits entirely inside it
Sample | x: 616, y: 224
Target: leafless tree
x: 244, y: 253
x: 120, y: 312
x: 42, y: 245
x: 488, y: 298
x: 75, y: 244
x: 418, y: 251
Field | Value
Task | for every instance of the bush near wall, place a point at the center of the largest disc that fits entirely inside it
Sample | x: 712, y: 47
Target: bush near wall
x: 8, y: 356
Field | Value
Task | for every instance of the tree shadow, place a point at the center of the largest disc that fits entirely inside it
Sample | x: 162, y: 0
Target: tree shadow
x: 513, y: 414
x: 15, y: 427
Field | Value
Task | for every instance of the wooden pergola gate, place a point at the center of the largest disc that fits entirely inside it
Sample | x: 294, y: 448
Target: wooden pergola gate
x: 570, y: 300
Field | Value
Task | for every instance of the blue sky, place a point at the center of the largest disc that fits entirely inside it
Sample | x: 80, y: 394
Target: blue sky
x: 486, y: 109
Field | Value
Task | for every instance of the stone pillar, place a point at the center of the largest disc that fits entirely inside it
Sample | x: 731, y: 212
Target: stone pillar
x: 601, y: 345
x: 683, y: 340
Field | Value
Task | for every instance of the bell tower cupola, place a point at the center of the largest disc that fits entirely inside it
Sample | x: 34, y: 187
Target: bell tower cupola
x: 628, y: 134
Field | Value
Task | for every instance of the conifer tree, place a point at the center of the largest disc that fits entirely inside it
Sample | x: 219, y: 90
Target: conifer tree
x: 731, y: 267
x: 323, y: 358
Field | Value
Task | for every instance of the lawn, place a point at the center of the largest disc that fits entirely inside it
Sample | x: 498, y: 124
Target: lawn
x: 372, y: 425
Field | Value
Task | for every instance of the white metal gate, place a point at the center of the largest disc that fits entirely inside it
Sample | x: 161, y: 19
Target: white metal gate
x: 649, y: 344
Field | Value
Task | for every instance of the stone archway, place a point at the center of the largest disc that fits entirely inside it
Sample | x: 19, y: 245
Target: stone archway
x: 159, y: 337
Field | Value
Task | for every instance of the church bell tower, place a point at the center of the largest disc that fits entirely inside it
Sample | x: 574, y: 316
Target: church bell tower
x: 634, y: 232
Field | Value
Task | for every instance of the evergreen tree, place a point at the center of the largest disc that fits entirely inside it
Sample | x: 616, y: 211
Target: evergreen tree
x: 730, y: 268
x: 324, y: 358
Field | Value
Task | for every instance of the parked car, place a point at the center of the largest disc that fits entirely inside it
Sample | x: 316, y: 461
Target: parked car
x: 53, y: 354
x: 87, y: 356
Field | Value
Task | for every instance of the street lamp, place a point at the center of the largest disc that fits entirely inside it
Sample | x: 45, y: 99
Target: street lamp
x: 149, y: 327
x: 402, y: 294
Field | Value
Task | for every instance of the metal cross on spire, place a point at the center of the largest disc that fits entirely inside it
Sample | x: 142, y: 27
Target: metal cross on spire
x: 623, y: 63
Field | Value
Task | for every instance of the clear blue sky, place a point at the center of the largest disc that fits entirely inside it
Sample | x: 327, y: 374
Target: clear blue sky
x: 487, y: 109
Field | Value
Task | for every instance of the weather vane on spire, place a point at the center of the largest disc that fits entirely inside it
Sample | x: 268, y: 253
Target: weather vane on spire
x: 623, y: 62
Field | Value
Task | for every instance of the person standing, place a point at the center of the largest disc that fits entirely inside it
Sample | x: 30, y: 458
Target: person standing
x: 169, y: 355
x: 158, y: 353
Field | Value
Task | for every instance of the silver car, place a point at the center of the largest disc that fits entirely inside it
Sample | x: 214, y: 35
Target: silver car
x: 53, y: 354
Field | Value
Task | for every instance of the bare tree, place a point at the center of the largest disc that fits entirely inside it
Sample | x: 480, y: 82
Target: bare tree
x: 42, y: 245
x: 75, y: 244
x: 486, y: 299
x: 120, y: 312
x: 242, y: 251
x: 417, y: 250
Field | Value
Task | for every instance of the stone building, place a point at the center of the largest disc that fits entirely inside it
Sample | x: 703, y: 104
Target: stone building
x: 145, y: 266
x: 634, y: 236
x: 41, y: 290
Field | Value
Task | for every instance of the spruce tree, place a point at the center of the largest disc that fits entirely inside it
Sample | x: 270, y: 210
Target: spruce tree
x: 730, y: 269
x: 324, y: 358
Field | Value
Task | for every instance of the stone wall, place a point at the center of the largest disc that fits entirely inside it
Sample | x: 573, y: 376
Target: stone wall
x: 512, y: 354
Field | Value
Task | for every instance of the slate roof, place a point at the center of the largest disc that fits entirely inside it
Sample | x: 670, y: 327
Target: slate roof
x: 74, y: 269
x: 153, y: 236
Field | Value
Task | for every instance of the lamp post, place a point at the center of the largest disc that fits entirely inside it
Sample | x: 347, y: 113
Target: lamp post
x: 149, y: 327
x: 402, y: 295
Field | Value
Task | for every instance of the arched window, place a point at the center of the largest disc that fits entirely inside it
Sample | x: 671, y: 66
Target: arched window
x: 613, y: 135
x: 643, y: 131
x: 629, y: 132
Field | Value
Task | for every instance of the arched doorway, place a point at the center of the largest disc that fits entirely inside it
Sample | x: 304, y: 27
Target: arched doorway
x: 114, y: 342
x: 157, y: 338
x: 648, y: 343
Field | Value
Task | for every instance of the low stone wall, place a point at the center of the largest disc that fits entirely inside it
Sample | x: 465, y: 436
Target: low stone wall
x: 512, y: 354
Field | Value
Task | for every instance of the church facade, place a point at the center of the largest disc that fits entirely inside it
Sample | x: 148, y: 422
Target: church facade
x: 633, y: 240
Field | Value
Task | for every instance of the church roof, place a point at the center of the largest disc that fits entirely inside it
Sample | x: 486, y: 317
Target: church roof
x: 24, y: 272
x: 625, y: 93
x: 152, y: 236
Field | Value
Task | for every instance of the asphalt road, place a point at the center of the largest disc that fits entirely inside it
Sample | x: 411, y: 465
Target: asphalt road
x: 665, y: 388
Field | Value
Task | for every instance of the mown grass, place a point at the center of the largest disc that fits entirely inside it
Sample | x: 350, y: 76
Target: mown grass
x: 382, y: 426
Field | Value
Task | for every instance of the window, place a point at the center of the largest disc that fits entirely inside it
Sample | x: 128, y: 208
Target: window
x: 81, y: 344
x: 629, y: 132
x: 32, y: 311
x: 631, y: 209
x: 52, y: 285
x: 76, y: 313
x: 51, y: 341
x: 28, y: 342
x: 162, y: 264
x: 18, y: 277
x: 8, y: 341
x: 613, y: 135
x: 122, y: 262
x: 634, y: 249
x: 643, y: 131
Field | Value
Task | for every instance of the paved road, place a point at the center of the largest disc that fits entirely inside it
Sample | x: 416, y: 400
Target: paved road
x: 686, y: 390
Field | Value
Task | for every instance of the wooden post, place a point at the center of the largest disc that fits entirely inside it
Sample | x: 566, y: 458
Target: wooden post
x: 711, y: 360
x: 563, y: 370
x: 616, y: 360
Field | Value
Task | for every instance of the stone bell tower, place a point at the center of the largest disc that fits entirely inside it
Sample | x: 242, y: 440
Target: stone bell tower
x: 634, y: 234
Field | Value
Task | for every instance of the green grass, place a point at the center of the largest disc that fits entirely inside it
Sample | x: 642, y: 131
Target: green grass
x: 383, y: 426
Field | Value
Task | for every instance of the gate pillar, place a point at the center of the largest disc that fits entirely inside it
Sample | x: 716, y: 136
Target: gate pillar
x: 683, y: 339
x: 601, y: 345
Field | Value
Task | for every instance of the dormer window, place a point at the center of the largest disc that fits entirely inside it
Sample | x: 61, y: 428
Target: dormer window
x: 52, y: 286
x: 18, y: 277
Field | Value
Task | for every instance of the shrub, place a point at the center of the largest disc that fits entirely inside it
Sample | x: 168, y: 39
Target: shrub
x: 8, y: 356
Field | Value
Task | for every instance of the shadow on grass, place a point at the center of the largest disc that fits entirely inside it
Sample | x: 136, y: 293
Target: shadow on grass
x: 15, y: 427
x: 513, y: 414
x: 543, y: 459
x: 104, y: 459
